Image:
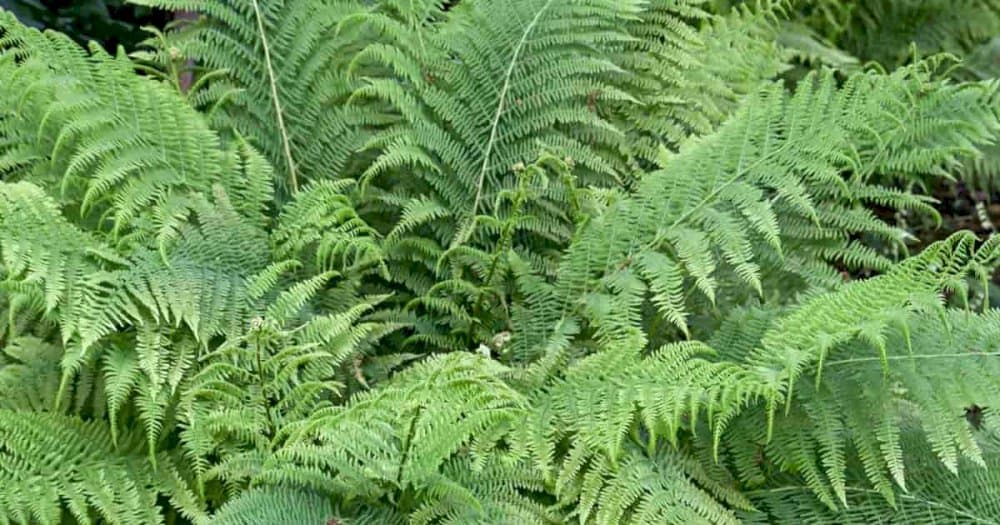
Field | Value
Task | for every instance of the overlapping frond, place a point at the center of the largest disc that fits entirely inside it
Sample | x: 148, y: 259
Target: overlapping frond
x: 399, y: 437
x: 322, y: 226
x: 678, y: 45
x: 857, y: 368
x: 48, y: 461
x: 490, y: 84
x: 239, y: 406
x: 51, y: 267
x: 766, y: 193
x: 276, y: 72
x: 111, y: 143
x: 599, y: 266
x: 935, y: 495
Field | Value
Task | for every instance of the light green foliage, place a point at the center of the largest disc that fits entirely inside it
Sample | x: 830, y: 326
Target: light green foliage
x: 56, y: 464
x: 891, y: 33
x: 938, y: 496
x: 480, y: 262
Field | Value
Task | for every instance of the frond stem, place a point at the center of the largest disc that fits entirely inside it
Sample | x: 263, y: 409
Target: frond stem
x: 500, y: 106
x: 903, y: 357
x: 272, y: 427
x: 293, y: 181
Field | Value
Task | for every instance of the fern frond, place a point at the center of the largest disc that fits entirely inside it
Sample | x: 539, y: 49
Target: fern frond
x: 322, y: 224
x: 727, y: 57
x: 935, y: 495
x: 92, y: 126
x: 61, y: 270
x: 476, y: 108
x: 860, y: 403
x: 275, y: 506
x: 53, y: 464
x: 249, y: 393
x: 663, y: 488
x: 400, y: 436
x: 768, y: 182
x: 278, y: 78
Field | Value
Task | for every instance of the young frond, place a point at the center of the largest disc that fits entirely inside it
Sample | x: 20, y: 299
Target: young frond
x: 322, y: 225
x: 276, y: 506
x: 247, y: 395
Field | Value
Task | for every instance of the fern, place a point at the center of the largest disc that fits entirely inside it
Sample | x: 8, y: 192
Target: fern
x: 863, y: 400
x: 51, y: 460
x: 537, y: 261
x: 936, y: 495
x: 275, y: 73
x: 263, y: 506
x: 729, y: 204
x: 86, y: 126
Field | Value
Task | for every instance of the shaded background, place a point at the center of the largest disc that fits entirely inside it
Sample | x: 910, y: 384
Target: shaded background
x: 109, y: 22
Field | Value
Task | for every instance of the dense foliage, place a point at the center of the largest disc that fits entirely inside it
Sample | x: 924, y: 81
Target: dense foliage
x: 520, y: 261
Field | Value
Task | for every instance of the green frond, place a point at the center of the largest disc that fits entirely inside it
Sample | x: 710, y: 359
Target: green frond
x: 111, y: 143
x: 884, y: 30
x: 276, y: 72
x: 30, y: 380
x: 62, y: 271
x: 322, y: 224
x: 201, y: 281
x: 400, y: 436
x: 249, y: 393
x: 766, y: 183
x: 56, y: 465
x: 499, y: 491
x: 862, y: 311
x: 477, y: 109
x: 275, y: 506
x: 661, y: 488
x: 680, y: 45
x: 391, y: 262
x: 860, y: 403
x: 935, y: 495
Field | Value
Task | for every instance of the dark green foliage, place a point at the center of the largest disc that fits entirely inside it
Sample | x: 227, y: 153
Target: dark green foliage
x: 109, y: 22
x: 527, y: 262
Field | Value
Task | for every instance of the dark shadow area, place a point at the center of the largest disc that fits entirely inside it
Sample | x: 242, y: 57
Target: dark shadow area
x: 109, y: 22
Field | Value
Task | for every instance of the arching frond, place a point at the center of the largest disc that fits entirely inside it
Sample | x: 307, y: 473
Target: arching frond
x: 52, y: 462
x: 768, y: 182
x: 113, y: 144
x: 275, y: 506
